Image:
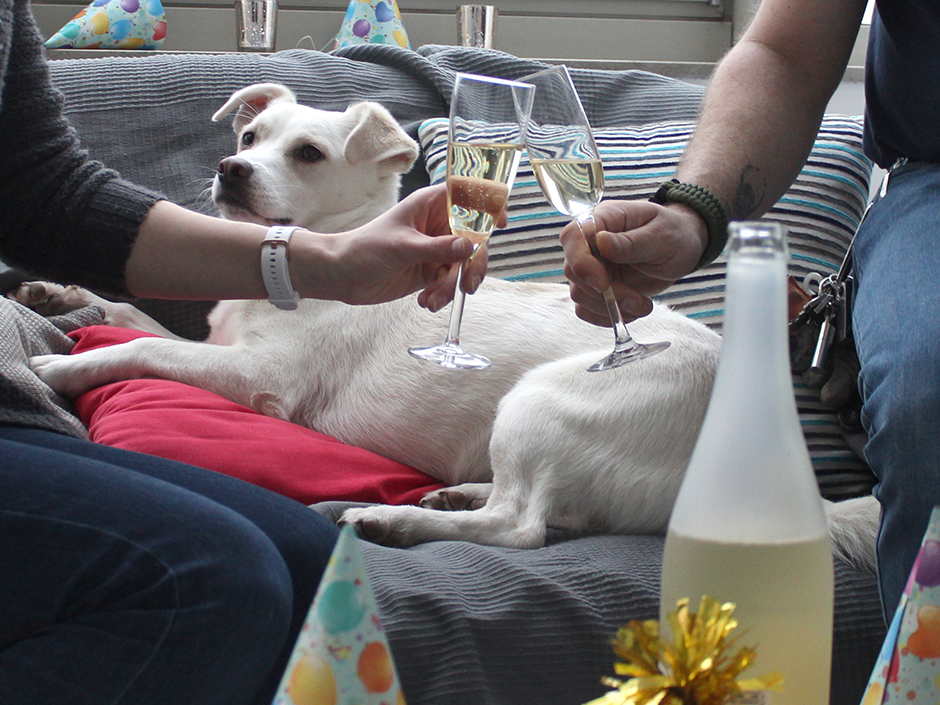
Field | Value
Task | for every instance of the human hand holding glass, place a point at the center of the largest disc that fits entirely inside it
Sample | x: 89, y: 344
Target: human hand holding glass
x: 484, y: 145
x: 567, y: 165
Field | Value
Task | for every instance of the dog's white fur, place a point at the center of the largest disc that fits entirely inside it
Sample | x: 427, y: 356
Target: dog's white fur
x: 532, y: 442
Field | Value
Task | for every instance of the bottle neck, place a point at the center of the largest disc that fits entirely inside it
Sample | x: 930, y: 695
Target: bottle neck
x: 755, y: 353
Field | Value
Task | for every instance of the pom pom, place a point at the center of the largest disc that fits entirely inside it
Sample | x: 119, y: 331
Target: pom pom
x: 697, y: 666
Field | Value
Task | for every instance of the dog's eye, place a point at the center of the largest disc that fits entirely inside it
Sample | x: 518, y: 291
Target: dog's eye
x: 248, y: 139
x: 309, y: 153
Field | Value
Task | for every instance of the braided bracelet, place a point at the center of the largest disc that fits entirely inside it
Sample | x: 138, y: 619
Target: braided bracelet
x: 709, y: 208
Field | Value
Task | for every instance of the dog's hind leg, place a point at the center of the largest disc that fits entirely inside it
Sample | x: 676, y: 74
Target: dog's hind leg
x: 50, y: 299
x: 470, y: 495
x: 500, y: 523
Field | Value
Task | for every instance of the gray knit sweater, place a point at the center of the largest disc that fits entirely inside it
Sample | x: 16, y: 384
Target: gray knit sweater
x: 63, y: 217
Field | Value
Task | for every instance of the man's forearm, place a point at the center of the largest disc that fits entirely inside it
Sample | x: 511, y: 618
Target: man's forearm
x: 750, y: 143
x: 766, y: 100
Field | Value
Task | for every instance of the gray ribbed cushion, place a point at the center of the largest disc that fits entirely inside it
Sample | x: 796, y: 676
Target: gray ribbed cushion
x: 480, y: 625
x: 475, y: 625
x: 468, y: 624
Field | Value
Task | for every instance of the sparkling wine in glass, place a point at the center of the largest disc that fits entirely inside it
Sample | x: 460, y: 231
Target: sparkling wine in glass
x: 567, y: 165
x: 484, y: 146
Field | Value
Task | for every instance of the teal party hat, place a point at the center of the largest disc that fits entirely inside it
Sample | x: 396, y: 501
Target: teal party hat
x: 371, y: 22
x: 342, y: 656
x: 113, y: 24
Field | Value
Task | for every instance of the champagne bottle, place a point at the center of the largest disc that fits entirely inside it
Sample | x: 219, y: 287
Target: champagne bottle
x: 748, y: 526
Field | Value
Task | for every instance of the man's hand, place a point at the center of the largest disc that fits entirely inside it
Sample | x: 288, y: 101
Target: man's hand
x: 645, y: 247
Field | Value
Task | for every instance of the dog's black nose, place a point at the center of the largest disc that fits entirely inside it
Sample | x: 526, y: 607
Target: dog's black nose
x: 233, y: 169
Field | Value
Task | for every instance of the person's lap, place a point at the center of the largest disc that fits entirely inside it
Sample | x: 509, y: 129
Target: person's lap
x: 896, y: 324
x: 128, y: 578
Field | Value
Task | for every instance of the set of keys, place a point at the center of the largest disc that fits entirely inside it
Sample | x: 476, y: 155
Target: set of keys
x: 829, y: 309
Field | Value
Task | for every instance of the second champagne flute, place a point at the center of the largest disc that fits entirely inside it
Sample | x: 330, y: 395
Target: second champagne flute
x: 484, y: 146
x: 567, y: 165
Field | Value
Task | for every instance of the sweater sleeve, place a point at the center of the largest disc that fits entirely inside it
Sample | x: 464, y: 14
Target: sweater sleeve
x: 63, y: 215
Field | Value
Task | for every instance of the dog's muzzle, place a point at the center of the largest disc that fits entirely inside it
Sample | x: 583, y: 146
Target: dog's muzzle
x: 234, y: 172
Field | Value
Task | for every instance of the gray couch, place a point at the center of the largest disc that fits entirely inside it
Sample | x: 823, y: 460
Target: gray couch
x: 467, y: 624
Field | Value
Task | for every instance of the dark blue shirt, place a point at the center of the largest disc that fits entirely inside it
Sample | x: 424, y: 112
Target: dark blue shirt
x: 902, y: 82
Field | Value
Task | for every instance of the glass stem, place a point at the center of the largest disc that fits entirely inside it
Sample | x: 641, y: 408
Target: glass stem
x: 622, y: 338
x: 456, y: 311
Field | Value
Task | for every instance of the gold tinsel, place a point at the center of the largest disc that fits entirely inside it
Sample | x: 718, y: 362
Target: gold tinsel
x: 696, y: 668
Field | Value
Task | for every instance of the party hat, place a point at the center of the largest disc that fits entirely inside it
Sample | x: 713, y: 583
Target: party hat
x: 908, y: 668
x: 113, y: 24
x: 371, y: 22
x: 342, y: 656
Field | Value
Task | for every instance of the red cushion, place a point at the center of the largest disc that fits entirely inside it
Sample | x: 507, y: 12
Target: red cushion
x: 179, y: 422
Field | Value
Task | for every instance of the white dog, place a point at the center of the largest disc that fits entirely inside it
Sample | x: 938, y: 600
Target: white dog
x: 532, y: 442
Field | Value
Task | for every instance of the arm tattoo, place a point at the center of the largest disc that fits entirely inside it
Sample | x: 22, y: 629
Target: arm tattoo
x: 746, y: 199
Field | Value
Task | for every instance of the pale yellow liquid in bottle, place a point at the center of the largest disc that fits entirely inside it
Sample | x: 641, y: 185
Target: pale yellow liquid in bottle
x: 783, y: 599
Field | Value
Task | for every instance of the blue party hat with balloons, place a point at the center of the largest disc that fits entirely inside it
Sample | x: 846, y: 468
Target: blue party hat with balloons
x: 371, y: 22
x: 342, y: 656
x: 907, y: 671
x: 113, y: 24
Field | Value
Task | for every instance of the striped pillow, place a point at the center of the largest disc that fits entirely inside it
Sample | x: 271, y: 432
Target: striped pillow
x: 821, y: 210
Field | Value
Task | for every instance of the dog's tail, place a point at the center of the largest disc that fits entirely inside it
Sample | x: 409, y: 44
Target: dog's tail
x: 853, y: 528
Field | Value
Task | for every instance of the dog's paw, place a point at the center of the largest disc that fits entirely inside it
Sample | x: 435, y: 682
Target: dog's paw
x: 48, y: 299
x: 468, y: 496
x: 376, y: 524
x: 64, y: 373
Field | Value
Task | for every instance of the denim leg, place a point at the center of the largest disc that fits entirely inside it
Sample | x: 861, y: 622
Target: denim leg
x: 897, y: 332
x: 131, y: 579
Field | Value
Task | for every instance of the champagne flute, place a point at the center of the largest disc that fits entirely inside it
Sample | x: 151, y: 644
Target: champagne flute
x: 568, y: 167
x: 484, y: 146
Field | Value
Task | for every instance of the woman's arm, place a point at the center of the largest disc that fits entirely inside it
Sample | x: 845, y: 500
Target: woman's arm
x: 182, y: 254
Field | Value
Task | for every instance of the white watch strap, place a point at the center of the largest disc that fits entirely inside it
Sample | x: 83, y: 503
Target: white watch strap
x: 274, y: 269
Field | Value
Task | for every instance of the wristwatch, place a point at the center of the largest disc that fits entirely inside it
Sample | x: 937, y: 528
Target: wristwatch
x: 274, y: 269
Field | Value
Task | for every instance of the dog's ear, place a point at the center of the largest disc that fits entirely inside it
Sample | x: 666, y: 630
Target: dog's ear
x: 377, y: 137
x: 252, y: 100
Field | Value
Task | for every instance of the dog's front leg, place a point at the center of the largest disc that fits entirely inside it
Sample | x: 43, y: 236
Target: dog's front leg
x: 227, y: 370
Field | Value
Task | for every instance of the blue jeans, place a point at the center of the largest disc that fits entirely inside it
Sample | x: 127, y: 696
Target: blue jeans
x: 897, y: 333
x: 126, y: 578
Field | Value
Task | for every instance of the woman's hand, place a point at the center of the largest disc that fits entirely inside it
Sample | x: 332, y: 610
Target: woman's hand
x: 411, y: 248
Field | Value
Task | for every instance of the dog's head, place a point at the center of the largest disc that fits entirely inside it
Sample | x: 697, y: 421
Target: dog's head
x: 324, y: 170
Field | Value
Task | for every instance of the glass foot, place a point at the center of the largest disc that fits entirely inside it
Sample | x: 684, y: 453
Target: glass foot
x: 451, y: 356
x: 636, y: 351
